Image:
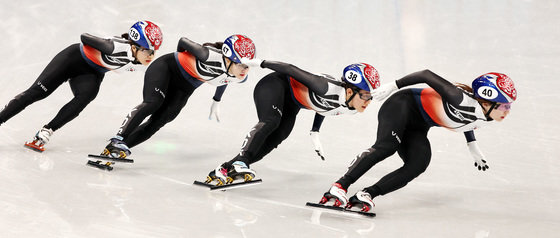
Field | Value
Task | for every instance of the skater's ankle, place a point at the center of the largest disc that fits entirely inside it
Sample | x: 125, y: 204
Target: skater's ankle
x: 343, y: 184
x: 240, y: 163
x: 243, y: 159
x: 373, y: 191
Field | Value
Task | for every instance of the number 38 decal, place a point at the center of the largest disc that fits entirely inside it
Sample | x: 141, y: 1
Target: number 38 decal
x: 353, y: 77
x: 134, y: 34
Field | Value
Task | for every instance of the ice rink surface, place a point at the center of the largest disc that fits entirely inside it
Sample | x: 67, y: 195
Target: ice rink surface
x: 54, y: 194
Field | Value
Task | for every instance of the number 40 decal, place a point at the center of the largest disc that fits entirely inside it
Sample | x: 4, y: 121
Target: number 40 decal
x: 487, y: 92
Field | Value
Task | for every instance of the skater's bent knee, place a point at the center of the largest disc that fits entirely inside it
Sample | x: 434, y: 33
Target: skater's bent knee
x: 271, y: 123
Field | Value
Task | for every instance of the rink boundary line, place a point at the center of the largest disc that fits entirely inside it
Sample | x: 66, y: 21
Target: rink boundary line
x: 262, y: 200
x: 190, y: 184
x: 164, y: 178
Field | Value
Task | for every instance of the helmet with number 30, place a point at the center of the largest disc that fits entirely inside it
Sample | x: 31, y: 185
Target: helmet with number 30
x: 146, y: 34
x: 362, y: 76
x: 236, y: 47
x: 495, y: 87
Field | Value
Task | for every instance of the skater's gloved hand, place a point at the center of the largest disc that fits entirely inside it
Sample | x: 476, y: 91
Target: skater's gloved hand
x: 317, y: 144
x: 479, y: 159
x: 251, y: 62
x: 215, y: 111
x: 384, y: 91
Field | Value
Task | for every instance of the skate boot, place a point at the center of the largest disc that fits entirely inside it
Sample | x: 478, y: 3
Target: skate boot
x: 220, y: 175
x: 361, y: 200
x: 41, y: 138
x: 116, y: 148
x: 336, y: 192
x: 240, y: 170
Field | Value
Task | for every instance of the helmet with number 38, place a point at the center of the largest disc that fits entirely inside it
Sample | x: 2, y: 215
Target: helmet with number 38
x: 495, y: 87
x: 146, y: 34
x: 362, y: 76
x: 236, y: 47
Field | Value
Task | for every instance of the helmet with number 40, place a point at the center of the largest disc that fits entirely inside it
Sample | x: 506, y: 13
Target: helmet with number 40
x: 495, y: 87
x: 146, y: 34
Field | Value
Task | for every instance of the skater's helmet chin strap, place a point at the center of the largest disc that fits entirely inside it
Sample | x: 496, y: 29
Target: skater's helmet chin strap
x: 354, y: 93
x: 228, y: 67
x: 492, y: 107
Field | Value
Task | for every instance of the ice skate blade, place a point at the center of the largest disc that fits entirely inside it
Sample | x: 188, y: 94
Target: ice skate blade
x: 103, y: 157
x: 228, y: 186
x: 32, y: 146
x: 100, y: 165
x: 368, y: 214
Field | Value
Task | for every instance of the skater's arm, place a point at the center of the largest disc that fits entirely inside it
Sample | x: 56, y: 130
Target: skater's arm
x: 476, y: 153
x: 106, y: 46
x: 200, y: 52
x: 316, y: 83
x: 447, y: 90
x: 469, y: 135
x: 219, y: 92
x: 315, y: 135
x: 317, y: 122
x: 215, y: 108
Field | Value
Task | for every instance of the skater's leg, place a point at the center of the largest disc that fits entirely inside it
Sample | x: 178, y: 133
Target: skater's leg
x: 281, y: 133
x: 156, y: 83
x: 172, y: 106
x: 389, y: 131
x: 21, y: 101
x: 54, y: 74
x: 416, y: 153
x: 398, y: 114
x: 85, y: 88
x: 392, y: 123
x: 269, y: 96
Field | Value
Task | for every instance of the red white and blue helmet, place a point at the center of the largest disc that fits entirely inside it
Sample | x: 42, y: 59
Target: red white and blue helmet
x: 146, y: 34
x: 495, y: 87
x: 362, y: 75
x: 238, y: 46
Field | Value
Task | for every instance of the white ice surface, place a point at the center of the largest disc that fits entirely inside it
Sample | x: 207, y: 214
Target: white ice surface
x: 53, y: 194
